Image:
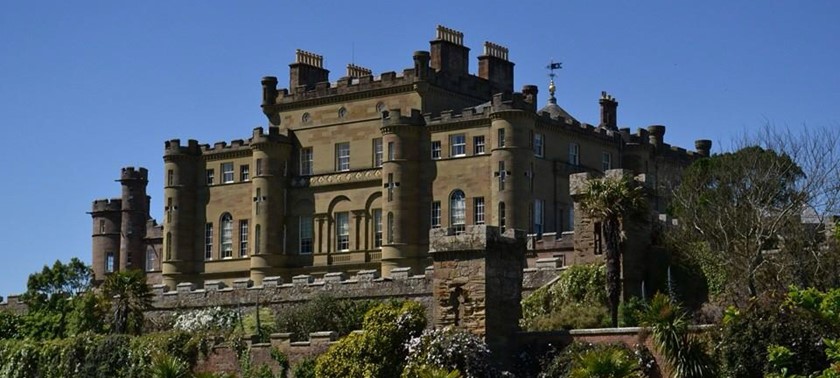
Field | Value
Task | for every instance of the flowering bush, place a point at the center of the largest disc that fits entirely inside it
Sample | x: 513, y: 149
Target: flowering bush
x: 207, y: 319
x: 448, y: 349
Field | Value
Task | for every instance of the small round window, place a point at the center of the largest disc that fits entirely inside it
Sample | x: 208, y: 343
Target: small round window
x: 342, y: 112
x: 306, y: 117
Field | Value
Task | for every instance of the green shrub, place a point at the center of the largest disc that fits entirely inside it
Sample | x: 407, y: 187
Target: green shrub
x: 379, y: 350
x: 570, y: 316
x: 579, y: 356
x: 10, y: 325
x: 448, y: 349
x: 629, y: 312
x: 261, y: 323
x: 323, y: 313
x: 576, y: 300
x: 304, y: 369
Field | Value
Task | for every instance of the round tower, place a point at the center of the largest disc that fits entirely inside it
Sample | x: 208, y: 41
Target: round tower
x: 134, y: 216
x: 181, y: 181
x: 270, y: 153
x: 511, y: 161
x: 105, y: 243
x: 406, y: 192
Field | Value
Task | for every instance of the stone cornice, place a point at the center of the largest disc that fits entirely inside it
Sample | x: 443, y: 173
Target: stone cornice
x: 338, y: 178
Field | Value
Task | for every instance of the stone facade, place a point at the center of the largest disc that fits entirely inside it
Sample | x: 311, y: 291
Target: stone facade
x: 350, y: 175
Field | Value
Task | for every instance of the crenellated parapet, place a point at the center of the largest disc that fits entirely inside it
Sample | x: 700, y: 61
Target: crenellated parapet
x: 105, y: 205
x: 173, y: 148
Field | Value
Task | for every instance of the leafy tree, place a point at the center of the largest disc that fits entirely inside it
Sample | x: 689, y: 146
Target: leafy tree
x: 575, y: 300
x: 613, y: 201
x: 50, y: 298
x: 130, y: 296
x: 753, y: 219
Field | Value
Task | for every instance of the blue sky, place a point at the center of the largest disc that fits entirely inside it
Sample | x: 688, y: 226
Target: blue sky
x: 87, y: 87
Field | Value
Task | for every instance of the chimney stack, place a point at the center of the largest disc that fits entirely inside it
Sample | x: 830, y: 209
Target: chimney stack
x: 494, y: 66
x: 448, y: 52
x: 609, y: 112
x: 307, y: 70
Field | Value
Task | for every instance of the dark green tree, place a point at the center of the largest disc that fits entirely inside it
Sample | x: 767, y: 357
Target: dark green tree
x: 50, y: 296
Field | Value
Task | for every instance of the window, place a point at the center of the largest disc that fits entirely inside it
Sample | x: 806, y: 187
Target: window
x: 168, y: 246
x: 170, y: 177
x: 342, y: 156
x: 530, y: 175
x: 305, y: 235
x: 259, y: 167
x: 244, y: 173
x: 574, y: 154
x: 478, y: 145
x: 478, y: 210
x: 606, y: 161
x: 227, y: 173
x: 151, y: 256
x: 342, y: 231
x: 101, y: 226
x: 501, y: 137
x: 502, y: 216
x: 571, y: 219
x: 538, y: 145
x: 377, y: 152
x: 502, y: 175
x: 436, y: 149
x: 243, y: 238
x: 538, y: 216
x: 259, y: 200
x: 436, y: 214
x: 377, y: 228
x: 391, y: 151
x: 257, y: 239
x: 390, y: 227
x: 208, y: 241
x: 306, y: 161
x: 457, y: 211
x: 457, y: 145
x: 109, y: 262
x: 210, y: 177
x: 227, y: 237
x: 169, y: 210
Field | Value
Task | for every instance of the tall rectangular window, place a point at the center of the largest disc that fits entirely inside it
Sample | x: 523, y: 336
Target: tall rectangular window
x: 306, y: 161
x: 501, y: 137
x: 390, y: 227
x: 538, y: 145
x: 478, y: 210
x: 259, y: 167
x: 377, y: 228
x: 342, y: 156
x: 502, y: 216
x: 478, y: 145
x: 244, y: 173
x: 170, y: 177
x: 305, y: 235
x: 151, y: 257
x: 436, y: 149
x: 377, y: 152
x: 227, y: 173
x: 211, y: 176
x: 243, y: 238
x: 457, y: 145
x: 574, y: 154
x: 208, y: 241
x: 342, y: 231
x: 101, y: 226
x: 392, y: 152
x: 109, y: 262
x: 606, y: 161
x: 538, y: 216
x: 436, y: 214
x: 502, y: 175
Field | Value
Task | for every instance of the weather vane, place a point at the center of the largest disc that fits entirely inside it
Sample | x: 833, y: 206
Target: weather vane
x: 551, y: 67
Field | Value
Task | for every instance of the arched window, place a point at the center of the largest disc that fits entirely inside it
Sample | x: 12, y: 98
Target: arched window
x: 457, y: 210
x: 390, y: 227
x: 226, y: 235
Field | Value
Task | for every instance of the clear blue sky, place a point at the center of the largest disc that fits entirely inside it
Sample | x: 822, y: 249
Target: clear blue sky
x: 87, y: 87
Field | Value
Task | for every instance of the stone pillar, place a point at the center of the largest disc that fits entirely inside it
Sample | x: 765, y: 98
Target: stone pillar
x: 477, y: 283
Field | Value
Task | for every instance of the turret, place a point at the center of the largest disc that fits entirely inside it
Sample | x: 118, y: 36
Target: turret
x: 421, y: 64
x: 406, y: 188
x: 134, y: 216
x: 183, y: 174
x: 105, y: 244
x: 657, y: 135
x: 703, y: 147
x: 511, y: 160
x: 270, y: 153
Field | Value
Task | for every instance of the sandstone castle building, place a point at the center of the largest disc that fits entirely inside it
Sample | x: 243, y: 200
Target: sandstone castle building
x: 351, y: 175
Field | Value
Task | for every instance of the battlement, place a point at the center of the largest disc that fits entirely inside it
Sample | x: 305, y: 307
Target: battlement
x: 173, y: 147
x: 473, y: 238
x: 222, y: 146
x: 394, y: 117
x: 105, y: 205
x: 132, y: 173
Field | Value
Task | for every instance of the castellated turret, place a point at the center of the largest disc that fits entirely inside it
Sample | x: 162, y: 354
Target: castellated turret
x: 182, y: 165
x: 407, y: 172
x: 107, y: 220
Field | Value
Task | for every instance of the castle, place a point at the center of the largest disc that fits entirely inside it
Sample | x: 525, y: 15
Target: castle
x: 351, y: 175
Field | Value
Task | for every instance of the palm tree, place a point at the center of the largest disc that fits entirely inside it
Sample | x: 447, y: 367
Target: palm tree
x: 611, y: 201
x: 668, y: 325
x: 604, y: 363
x: 130, y: 296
